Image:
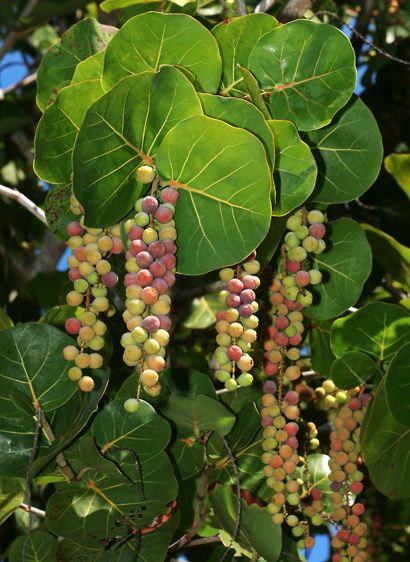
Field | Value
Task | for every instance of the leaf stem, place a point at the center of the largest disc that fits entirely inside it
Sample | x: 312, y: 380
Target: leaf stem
x: 62, y: 462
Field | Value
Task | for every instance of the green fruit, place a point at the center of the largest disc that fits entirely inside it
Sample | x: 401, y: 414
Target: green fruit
x: 222, y: 376
x: 302, y: 232
x: 315, y: 216
x: 315, y: 276
x: 291, y: 240
x: 310, y: 244
x: 96, y: 344
x: 293, y: 223
x: 245, y: 379
x: 145, y: 174
x: 139, y: 335
x: 141, y: 219
x: 131, y: 405
x: 81, y: 285
x: 298, y: 253
x: 231, y: 384
x: 150, y: 235
x: 321, y: 246
x: 305, y: 299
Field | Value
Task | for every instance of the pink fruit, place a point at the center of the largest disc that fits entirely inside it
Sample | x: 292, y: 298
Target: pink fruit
x: 158, y: 269
x: 250, y: 282
x: 234, y: 353
x: 245, y: 310
x: 235, y: 286
x: 169, y: 278
x: 135, y: 233
x: 232, y: 301
x: 157, y: 249
x: 281, y: 339
x: 74, y: 274
x: 302, y: 278
x: 170, y: 246
x: 169, y: 260
x: 317, y: 230
x: 292, y: 397
x: 149, y: 204
x: 160, y: 285
x: 247, y: 296
x: 117, y: 245
x: 72, y: 326
x: 270, y: 369
x: 169, y: 195
x: 81, y: 253
x: 74, y: 228
x: 164, y: 214
x: 151, y: 324
x: 144, y: 259
x: 164, y: 322
x: 144, y: 278
x: 137, y: 246
x: 269, y: 387
x: 130, y: 279
x: 291, y: 429
x: 295, y: 340
x: 109, y: 279
x: 281, y: 322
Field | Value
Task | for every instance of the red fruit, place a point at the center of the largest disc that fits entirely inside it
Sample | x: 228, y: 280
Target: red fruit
x: 356, y: 487
x: 266, y: 422
x: 291, y: 429
x: 272, y: 331
x: 157, y: 249
x: 169, y: 260
x: 169, y: 195
x: 149, y: 295
x: 117, y: 245
x: 245, y: 310
x: 292, y: 266
x: 151, y: 324
x: 302, y: 278
x: 354, y: 539
x: 270, y: 369
x: 169, y: 278
x: 234, y: 353
x: 74, y: 274
x: 281, y: 339
x: 164, y: 214
x: 235, y: 286
x: 130, y: 279
x: 316, y: 494
x: 232, y: 301
x: 160, y: 285
x: 149, y: 204
x: 170, y: 246
x: 281, y: 322
x: 355, y: 404
x: 292, y: 442
x: 291, y: 305
x: 144, y: 259
x: 292, y: 397
x: 336, y: 557
x: 137, y: 246
x: 295, y: 340
x: 358, y: 509
x: 80, y: 253
x: 342, y: 534
x: 72, y: 326
x: 135, y: 233
x: 144, y: 278
x: 220, y: 315
x: 74, y: 228
x: 269, y: 387
x: 164, y: 322
x: 317, y: 230
x: 109, y: 279
x: 247, y: 296
x: 158, y: 269
x: 250, y: 282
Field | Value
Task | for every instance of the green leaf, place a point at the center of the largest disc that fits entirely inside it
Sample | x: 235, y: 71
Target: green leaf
x: 345, y: 265
x: 271, y: 242
x: 319, y: 476
x: 247, y: 424
x: 16, y: 443
x: 5, y: 321
x: 188, y: 382
x: 352, y: 369
x: 386, y: 445
x: 38, y: 546
x: 199, y: 413
x: 89, y: 69
x: 120, y: 131
x: 57, y: 209
x: 257, y: 532
x: 236, y: 39
x: 114, y: 427
x: 224, y: 181
x: 68, y: 421
x: 397, y: 385
x: 33, y: 364
x: 241, y: 113
x: 253, y: 91
x: 398, y: 165
x: 295, y: 168
x: 379, y: 329
x: 96, y: 462
x: 309, y: 69
x: 147, y: 41
x: 58, y: 128
x: 187, y: 454
x: 322, y: 355
x: 202, y: 312
x: 348, y: 152
x: 11, y: 495
x: 389, y: 253
x: 57, y: 66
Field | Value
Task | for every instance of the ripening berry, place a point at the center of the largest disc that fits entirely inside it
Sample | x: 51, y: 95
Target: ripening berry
x: 131, y: 405
x: 302, y: 232
x: 293, y: 222
x: 302, y: 278
x: 72, y: 326
x: 86, y: 384
x: 310, y: 244
x: 317, y: 230
x: 96, y: 360
x: 145, y: 174
x: 75, y: 373
x: 74, y: 298
x: 149, y: 204
x: 96, y: 344
x: 149, y: 377
x: 82, y: 361
x: 293, y: 266
x: 151, y: 324
x: 315, y: 277
x: 70, y: 352
x: 315, y: 216
x: 298, y: 254
x: 252, y: 267
x: 291, y: 240
x: 170, y: 195
x: 306, y: 298
x: 164, y: 214
x: 74, y: 228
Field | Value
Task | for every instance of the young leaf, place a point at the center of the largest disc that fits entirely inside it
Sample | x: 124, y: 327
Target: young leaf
x: 309, y: 70
x: 224, y: 182
x: 147, y: 41
x: 295, y: 168
x: 348, y: 152
x: 120, y: 131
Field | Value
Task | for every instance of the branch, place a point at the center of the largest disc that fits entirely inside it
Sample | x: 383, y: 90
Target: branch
x: 26, y: 81
x: 204, y: 540
x: 264, y: 6
x: 240, y: 4
x: 20, y: 198
x: 14, y: 34
x: 62, y: 463
x: 33, y: 510
x: 362, y: 25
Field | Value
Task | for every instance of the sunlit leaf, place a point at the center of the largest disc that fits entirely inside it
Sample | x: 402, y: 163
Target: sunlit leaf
x: 397, y: 385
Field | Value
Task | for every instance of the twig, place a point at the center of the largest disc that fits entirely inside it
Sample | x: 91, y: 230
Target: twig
x: 204, y: 540
x: 14, y: 34
x: 240, y: 4
x: 33, y: 510
x: 264, y: 6
x: 24, y: 201
x: 62, y: 463
x: 26, y: 81
x: 34, y: 450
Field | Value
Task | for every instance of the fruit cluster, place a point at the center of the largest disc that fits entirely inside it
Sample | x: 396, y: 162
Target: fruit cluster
x: 150, y: 264
x: 91, y: 274
x: 349, y: 542
x: 236, y: 325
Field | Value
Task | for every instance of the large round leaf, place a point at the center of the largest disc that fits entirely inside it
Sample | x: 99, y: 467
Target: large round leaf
x: 57, y: 67
x: 57, y: 209
x: 32, y: 365
x: 386, y: 445
x: 379, y: 329
x: 295, y: 168
x: 322, y: 355
x: 224, y: 181
x: 37, y: 546
x: 114, y: 427
x: 309, y: 70
x: 121, y: 130
x: 349, y: 154
x: 89, y: 69
x: 236, y: 39
x: 352, y: 369
x: 149, y: 40
x: 345, y: 266
x: 398, y: 385
x: 240, y: 113
x: 57, y: 130
x: 12, y: 492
